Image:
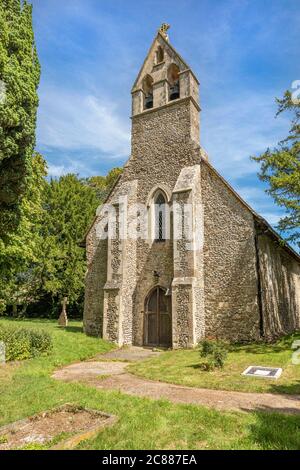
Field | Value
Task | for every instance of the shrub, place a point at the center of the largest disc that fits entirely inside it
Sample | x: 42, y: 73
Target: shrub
x: 40, y: 341
x: 23, y: 343
x: 214, y: 354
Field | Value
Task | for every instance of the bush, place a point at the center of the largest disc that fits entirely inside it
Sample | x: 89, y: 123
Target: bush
x: 215, y: 354
x: 40, y: 341
x: 24, y: 343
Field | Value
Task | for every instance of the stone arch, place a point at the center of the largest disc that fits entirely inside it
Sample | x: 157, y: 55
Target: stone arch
x: 159, y: 223
x: 148, y: 91
x: 159, y: 188
x: 173, y: 79
x: 158, y: 317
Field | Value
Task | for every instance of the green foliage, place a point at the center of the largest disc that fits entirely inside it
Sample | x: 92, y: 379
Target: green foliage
x: 22, y: 250
x: 142, y: 423
x: 34, y: 446
x: 182, y: 367
x: 41, y: 222
x: 20, y: 72
x: 70, y: 205
x: 280, y: 169
x: 41, y: 261
x: 40, y: 341
x: 214, y: 353
x: 23, y: 343
x: 103, y: 184
x: 3, y: 439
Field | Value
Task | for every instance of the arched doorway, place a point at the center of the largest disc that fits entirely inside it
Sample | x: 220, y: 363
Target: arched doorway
x: 158, y: 318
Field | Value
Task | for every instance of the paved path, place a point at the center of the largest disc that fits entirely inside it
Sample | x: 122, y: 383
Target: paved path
x: 130, y: 354
x: 115, y: 377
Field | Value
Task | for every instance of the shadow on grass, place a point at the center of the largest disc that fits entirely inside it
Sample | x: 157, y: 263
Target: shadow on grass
x: 266, y: 348
x: 274, y: 430
x: 287, y: 389
x: 71, y: 329
x: 27, y: 319
x: 202, y: 367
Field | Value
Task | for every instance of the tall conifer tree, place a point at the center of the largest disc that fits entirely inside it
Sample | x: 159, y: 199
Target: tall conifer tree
x: 19, y: 75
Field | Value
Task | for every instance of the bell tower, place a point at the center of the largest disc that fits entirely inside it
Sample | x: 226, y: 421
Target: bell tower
x: 163, y: 79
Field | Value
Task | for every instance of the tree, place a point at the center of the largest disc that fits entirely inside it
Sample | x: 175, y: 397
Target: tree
x: 70, y: 205
x: 19, y: 74
x: 42, y: 262
x: 103, y: 184
x: 280, y: 168
x: 20, y: 254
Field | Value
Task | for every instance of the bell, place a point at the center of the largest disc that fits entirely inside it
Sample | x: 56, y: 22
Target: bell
x: 174, y: 91
x: 149, y: 101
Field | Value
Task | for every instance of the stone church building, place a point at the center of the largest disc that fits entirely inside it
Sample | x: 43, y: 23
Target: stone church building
x: 225, y: 273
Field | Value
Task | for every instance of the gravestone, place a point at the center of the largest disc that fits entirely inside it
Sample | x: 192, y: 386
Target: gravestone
x: 63, y: 319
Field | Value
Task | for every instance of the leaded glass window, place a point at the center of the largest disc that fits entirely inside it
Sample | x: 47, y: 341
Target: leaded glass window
x: 160, y: 218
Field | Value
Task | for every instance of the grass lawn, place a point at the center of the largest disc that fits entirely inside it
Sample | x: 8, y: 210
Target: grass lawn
x: 27, y: 388
x: 182, y: 367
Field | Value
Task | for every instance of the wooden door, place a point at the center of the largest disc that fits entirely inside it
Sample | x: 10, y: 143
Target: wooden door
x: 158, y: 324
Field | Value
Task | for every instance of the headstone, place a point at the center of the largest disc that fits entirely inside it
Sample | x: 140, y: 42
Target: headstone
x: 63, y: 319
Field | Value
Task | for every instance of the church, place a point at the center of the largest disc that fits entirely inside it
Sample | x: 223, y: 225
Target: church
x: 174, y: 254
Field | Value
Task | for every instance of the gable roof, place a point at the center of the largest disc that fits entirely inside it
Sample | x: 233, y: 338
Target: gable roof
x: 159, y: 36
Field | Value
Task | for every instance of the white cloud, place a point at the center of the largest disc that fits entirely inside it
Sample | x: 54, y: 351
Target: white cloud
x: 236, y: 128
x: 55, y: 171
x: 75, y: 121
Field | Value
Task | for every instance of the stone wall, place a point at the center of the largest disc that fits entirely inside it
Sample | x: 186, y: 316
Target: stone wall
x: 162, y: 145
x: 230, y: 274
x: 280, y: 288
x: 94, y: 283
x: 188, y: 282
x: 121, y: 273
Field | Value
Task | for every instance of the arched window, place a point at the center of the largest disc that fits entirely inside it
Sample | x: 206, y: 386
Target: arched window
x: 159, y: 55
x: 160, y: 205
x: 148, y: 92
x: 173, y: 79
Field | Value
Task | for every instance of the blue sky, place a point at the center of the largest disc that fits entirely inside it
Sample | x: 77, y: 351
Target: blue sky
x: 244, y: 52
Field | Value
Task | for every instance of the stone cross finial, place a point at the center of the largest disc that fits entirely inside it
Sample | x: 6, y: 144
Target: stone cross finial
x: 163, y: 30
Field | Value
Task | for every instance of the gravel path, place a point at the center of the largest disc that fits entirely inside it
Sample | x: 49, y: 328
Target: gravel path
x: 115, y: 377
